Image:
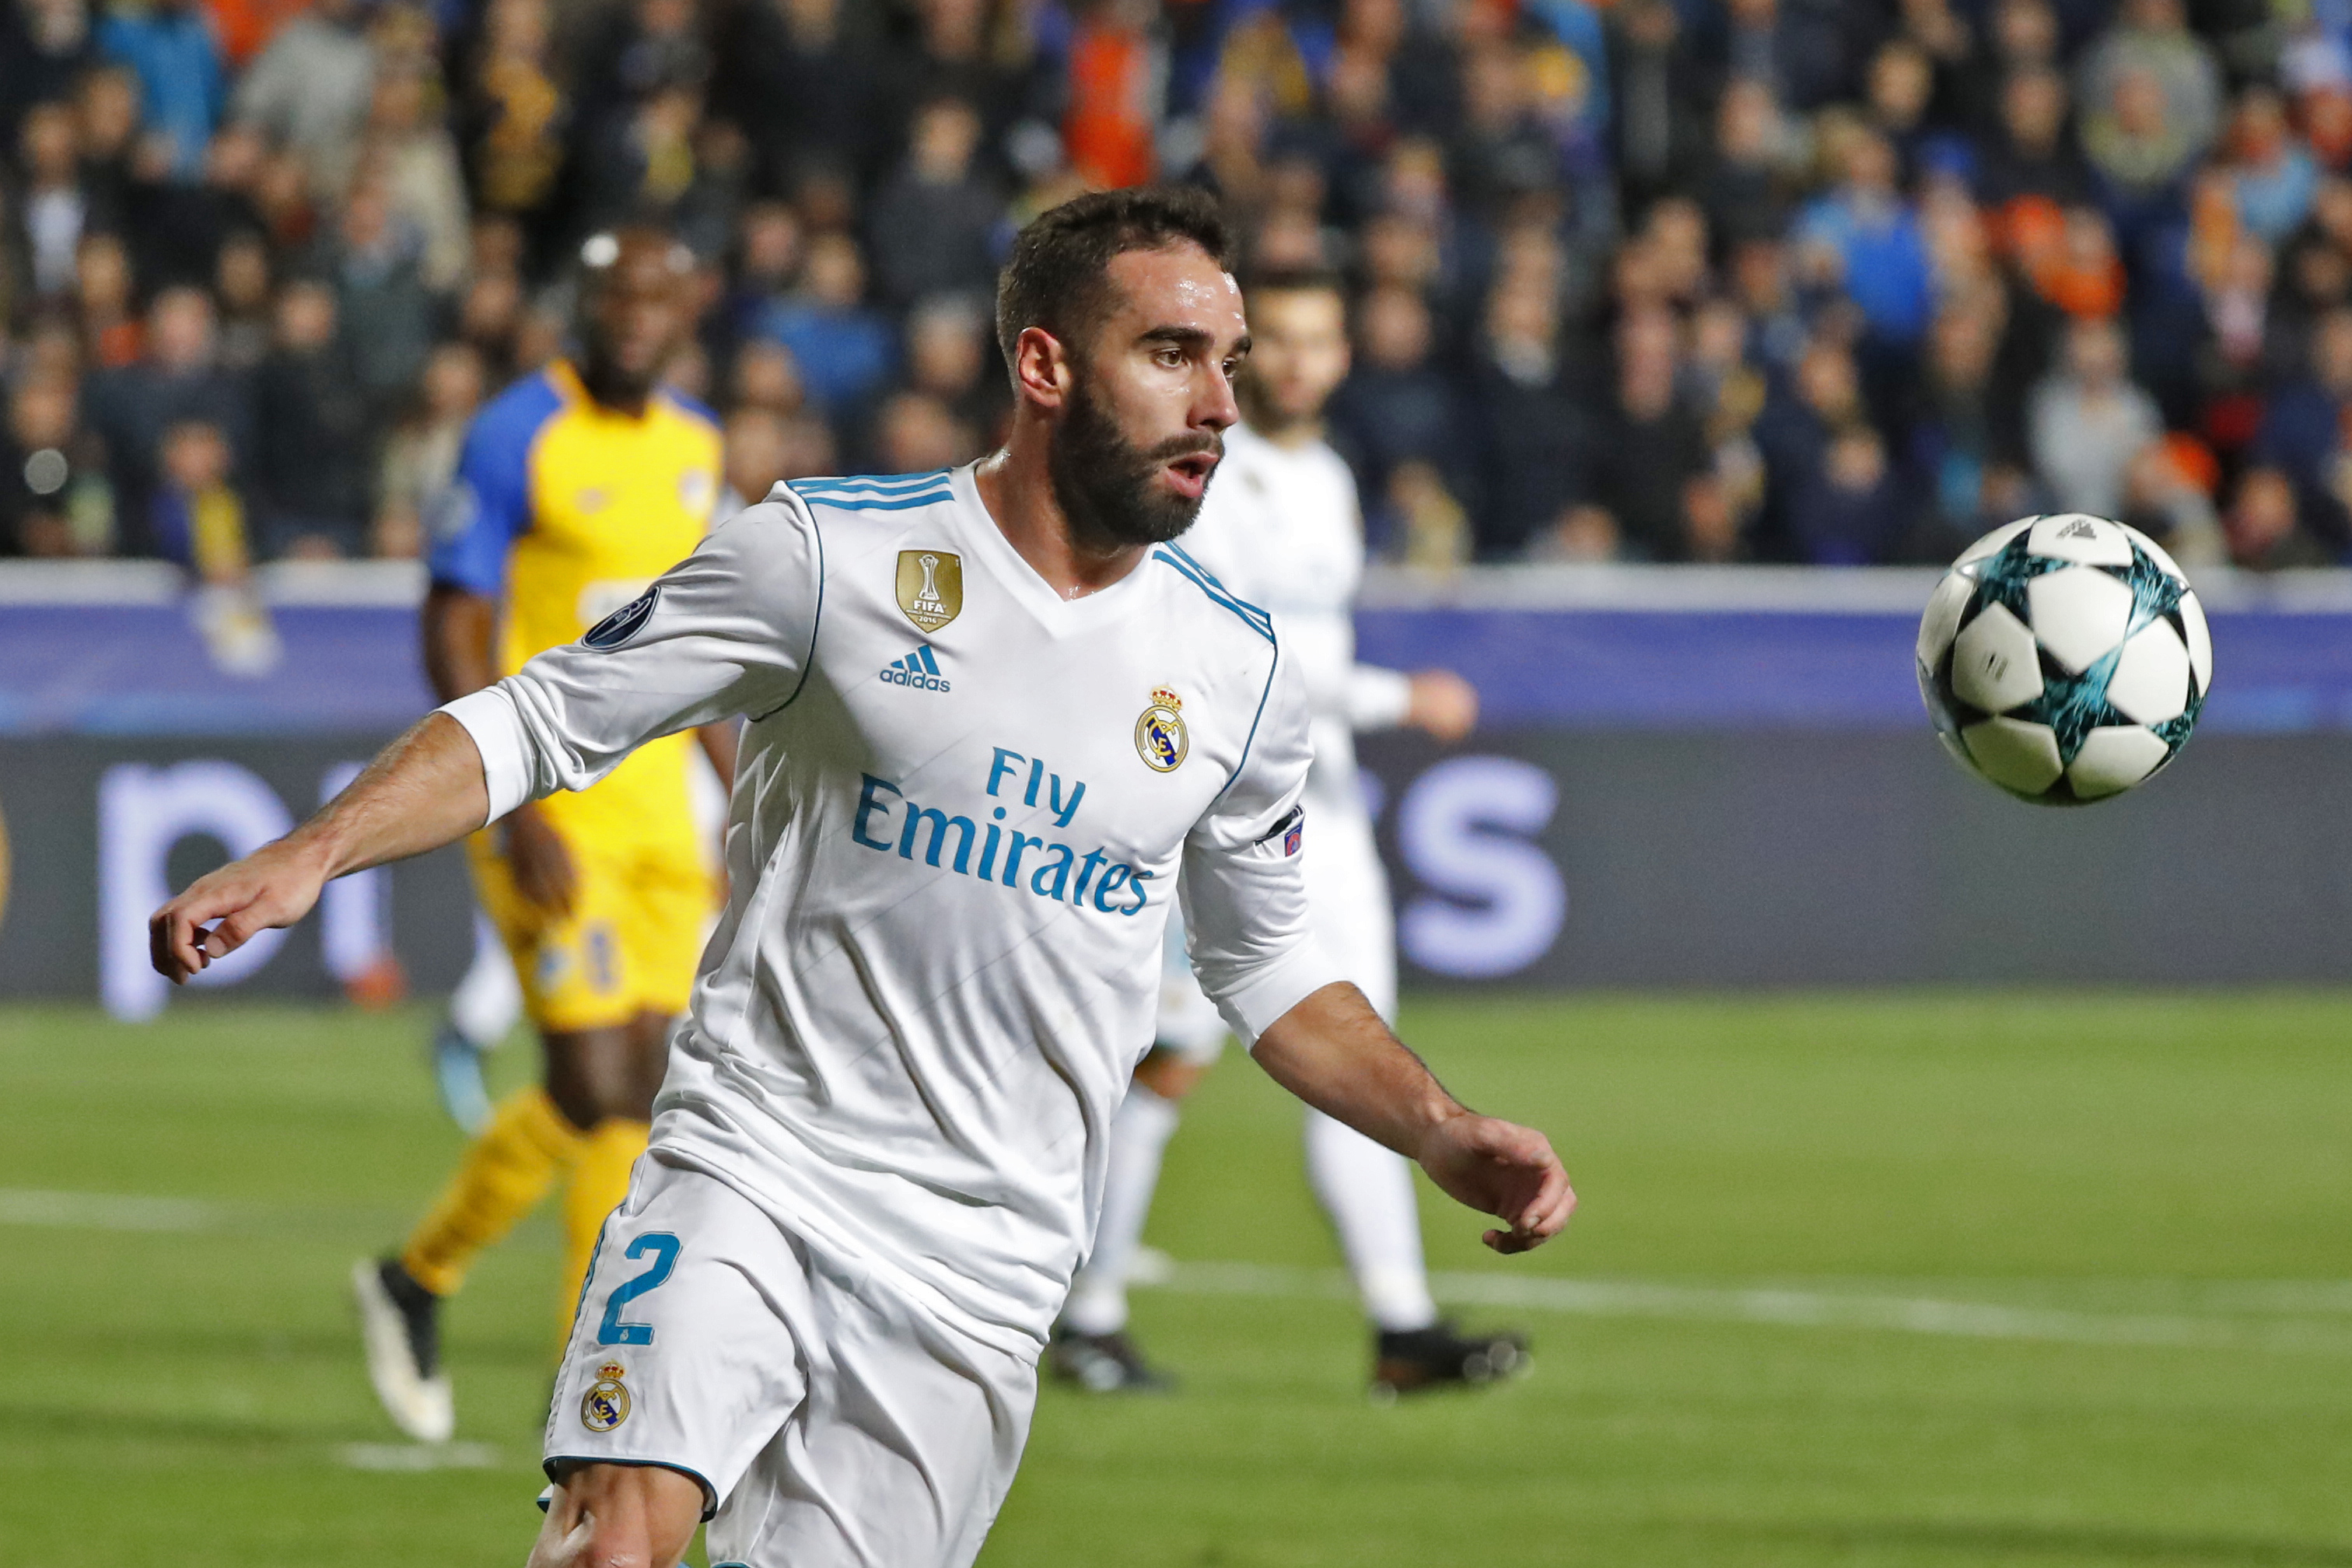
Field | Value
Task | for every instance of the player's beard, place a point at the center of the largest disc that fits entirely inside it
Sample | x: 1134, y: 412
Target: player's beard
x: 1106, y: 483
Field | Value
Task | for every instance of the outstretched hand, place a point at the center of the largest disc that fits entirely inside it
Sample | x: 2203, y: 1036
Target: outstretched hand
x: 223, y: 909
x: 1505, y: 1170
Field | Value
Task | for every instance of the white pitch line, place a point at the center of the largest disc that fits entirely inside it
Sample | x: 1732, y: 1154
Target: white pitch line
x: 1786, y: 1307
x: 415, y: 1457
x: 105, y: 1211
x: 2241, y: 1322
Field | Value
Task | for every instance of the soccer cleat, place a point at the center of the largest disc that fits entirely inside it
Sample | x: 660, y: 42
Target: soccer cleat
x: 1104, y: 1364
x: 457, y: 1078
x: 400, y: 1322
x: 1438, y: 1357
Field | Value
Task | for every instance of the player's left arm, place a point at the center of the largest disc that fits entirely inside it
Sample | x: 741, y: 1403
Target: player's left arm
x: 1333, y: 1051
x: 1247, y: 925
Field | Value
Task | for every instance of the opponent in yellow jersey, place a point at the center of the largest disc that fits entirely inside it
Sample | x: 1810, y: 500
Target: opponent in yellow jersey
x: 576, y: 487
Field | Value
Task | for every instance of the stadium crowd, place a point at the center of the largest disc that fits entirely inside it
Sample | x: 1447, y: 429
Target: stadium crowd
x: 1818, y: 280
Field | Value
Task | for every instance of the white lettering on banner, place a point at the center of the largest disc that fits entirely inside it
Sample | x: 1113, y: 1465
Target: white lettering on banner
x: 142, y: 811
x: 351, y: 909
x: 1465, y: 828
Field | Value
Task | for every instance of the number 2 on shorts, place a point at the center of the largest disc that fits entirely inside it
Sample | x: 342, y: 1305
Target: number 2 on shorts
x: 612, y: 1331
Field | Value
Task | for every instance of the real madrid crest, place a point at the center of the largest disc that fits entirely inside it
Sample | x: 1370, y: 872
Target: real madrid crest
x: 930, y: 587
x: 1159, y: 735
x: 606, y: 1404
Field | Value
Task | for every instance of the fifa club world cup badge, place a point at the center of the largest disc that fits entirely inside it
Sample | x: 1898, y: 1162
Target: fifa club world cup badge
x: 606, y: 1404
x: 1160, y: 734
x: 930, y: 587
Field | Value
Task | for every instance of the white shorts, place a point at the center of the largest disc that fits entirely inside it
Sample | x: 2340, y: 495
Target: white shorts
x: 831, y: 1423
x: 1347, y: 895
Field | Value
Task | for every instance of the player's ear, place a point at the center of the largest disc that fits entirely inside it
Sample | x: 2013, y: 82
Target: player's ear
x: 1041, y: 368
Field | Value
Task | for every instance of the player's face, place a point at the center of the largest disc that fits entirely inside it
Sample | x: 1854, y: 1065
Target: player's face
x: 1299, y: 355
x: 1143, y: 428
x: 636, y: 315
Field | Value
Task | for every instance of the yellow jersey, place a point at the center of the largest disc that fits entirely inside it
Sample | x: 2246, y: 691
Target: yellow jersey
x: 563, y: 510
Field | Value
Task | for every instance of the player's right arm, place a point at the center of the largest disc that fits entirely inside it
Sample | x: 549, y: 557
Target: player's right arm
x: 727, y: 631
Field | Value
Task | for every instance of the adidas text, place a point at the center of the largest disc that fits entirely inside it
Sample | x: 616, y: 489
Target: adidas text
x: 920, y: 670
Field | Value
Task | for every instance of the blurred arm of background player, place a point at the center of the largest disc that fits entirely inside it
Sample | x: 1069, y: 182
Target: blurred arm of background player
x: 460, y: 630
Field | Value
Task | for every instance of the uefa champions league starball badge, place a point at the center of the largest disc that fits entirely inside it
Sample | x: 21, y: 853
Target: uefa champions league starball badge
x: 606, y: 1404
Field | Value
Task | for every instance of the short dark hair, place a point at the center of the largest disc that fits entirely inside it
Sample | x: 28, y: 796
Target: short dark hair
x: 1057, y: 276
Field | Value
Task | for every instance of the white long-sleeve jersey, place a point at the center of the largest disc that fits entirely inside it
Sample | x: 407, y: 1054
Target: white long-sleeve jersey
x: 1282, y: 528
x: 958, y: 813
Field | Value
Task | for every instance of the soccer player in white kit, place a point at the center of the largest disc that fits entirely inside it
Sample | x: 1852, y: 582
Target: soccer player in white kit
x: 990, y: 715
x: 1281, y: 527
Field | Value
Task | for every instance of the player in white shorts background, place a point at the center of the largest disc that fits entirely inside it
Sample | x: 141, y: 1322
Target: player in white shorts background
x: 990, y: 716
x: 1281, y: 527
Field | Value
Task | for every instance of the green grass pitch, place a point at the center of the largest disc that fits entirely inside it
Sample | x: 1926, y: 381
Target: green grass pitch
x: 1928, y: 1279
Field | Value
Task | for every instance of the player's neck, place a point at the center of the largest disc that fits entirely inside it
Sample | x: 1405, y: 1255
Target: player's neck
x: 1017, y: 490
x: 611, y: 391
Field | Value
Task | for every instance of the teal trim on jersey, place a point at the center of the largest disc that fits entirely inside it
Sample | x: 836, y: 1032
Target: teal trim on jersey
x: 1255, y: 720
x: 840, y: 503
x: 875, y: 481
x: 1257, y: 620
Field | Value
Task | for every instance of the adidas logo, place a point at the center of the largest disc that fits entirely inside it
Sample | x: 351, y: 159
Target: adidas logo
x: 919, y: 670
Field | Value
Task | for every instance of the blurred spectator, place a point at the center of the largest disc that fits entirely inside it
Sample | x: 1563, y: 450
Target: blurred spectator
x: 1650, y: 458
x: 952, y: 356
x: 307, y: 92
x: 2030, y: 159
x: 843, y: 347
x: 2263, y: 530
x: 2087, y: 422
x: 169, y: 45
x: 2164, y: 500
x: 416, y: 157
x: 54, y: 498
x: 759, y: 450
x: 1848, y: 513
x: 1535, y: 443
x: 1397, y: 407
x: 1801, y: 413
x: 241, y: 282
x: 794, y: 77
x: 110, y: 333
x: 198, y: 519
x: 177, y: 378
x: 767, y: 377
x: 1865, y: 238
x: 1748, y: 187
x: 915, y: 433
x: 2151, y: 95
x: 933, y: 227
x: 421, y: 456
x: 2301, y: 429
x: 2275, y: 178
x: 312, y: 445
x: 1108, y: 131
x: 1968, y: 431
x: 53, y: 207
x: 377, y: 265
x: 45, y: 45
x: 512, y: 116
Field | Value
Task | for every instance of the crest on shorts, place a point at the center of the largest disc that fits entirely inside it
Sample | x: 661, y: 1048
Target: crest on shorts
x: 606, y: 1404
x: 930, y: 587
x: 1160, y: 738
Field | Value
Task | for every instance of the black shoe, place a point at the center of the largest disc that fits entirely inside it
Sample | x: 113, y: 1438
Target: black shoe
x: 1104, y: 1364
x: 1439, y: 1357
x: 400, y: 1321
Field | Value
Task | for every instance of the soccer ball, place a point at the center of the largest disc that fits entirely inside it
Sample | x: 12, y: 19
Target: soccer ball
x: 2064, y: 658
